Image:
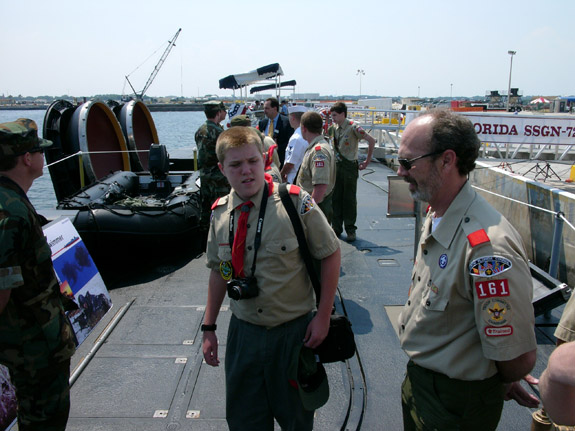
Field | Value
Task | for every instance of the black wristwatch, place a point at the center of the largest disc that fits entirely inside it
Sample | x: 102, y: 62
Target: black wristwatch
x: 212, y: 327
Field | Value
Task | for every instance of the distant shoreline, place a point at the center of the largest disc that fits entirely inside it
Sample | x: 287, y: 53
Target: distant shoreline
x: 153, y: 107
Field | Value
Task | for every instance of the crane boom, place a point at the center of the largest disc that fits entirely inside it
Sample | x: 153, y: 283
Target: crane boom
x: 171, y: 43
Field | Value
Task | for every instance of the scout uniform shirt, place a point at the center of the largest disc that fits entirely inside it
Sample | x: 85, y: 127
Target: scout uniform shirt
x: 285, y: 290
x: 318, y: 166
x: 566, y: 327
x: 346, y: 138
x: 470, y: 296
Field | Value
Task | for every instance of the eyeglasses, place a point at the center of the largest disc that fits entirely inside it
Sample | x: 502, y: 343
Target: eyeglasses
x: 407, y: 164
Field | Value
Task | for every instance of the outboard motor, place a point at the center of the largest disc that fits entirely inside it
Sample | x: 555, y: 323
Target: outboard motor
x: 159, y: 165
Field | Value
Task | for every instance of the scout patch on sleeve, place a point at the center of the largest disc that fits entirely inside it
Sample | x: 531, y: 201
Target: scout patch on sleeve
x: 226, y: 270
x: 502, y: 331
x: 360, y: 130
x: 488, y: 266
x: 307, y: 204
x: 492, y: 288
x: 496, y: 312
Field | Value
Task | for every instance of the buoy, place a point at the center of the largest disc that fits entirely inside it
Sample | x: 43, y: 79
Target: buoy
x: 571, y: 175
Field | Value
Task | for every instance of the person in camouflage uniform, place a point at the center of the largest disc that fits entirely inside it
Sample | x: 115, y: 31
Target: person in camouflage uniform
x: 36, y: 339
x: 345, y: 136
x: 213, y: 182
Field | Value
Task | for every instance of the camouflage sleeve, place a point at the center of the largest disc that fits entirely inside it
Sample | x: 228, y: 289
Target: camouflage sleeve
x: 11, y: 231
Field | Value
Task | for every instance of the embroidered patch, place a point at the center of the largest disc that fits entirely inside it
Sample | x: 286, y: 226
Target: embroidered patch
x: 226, y: 270
x: 443, y: 261
x: 503, y: 331
x: 477, y: 237
x: 307, y: 205
x: 488, y: 266
x: 318, y: 147
x: 496, y: 312
x: 319, y: 164
x: 489, y: 289
x: 318, y: 156
x: 360, y: 130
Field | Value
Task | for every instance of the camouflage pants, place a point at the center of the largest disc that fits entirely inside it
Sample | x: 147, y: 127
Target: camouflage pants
x: 210, y: 190
x: 43, y: 397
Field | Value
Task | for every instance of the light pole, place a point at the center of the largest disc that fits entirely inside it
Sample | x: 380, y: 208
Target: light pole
x: 451, y: 92
x: 511, y: 53
x: 418, y: 91
x: 360, y: 72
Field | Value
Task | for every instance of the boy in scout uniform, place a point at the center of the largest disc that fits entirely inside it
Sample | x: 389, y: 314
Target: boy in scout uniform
x: 213, y: 183
x: 36, y: 339
x: 468, y: 324
x: 317, y: 171
x: 253, y: 254
x: 345, y: 135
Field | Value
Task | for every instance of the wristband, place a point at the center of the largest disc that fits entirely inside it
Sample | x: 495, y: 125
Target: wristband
x: 212, y: 327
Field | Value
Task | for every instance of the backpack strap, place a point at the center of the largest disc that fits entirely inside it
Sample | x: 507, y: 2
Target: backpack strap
x: 301, y: 239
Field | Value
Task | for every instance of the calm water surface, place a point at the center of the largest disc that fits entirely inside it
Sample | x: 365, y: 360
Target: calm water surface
x: 175, y: 130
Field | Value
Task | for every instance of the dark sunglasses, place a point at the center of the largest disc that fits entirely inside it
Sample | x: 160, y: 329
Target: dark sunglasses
x: 407, y: 164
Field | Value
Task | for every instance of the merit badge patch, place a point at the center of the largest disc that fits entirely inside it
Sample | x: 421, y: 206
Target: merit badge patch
x: 502, y: 331
x: 489, y: 289
x: 226, y: 270
x: 443, y: 261
x: 307, y: 205
x: 488, y: 266
x: 496, y: 312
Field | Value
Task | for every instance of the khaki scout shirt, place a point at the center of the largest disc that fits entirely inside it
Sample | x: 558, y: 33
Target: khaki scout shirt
x: 318, y: 166
x: 346, y: 138
x: 470, y: 296
x: 285, y: 290
x: 566, y: 327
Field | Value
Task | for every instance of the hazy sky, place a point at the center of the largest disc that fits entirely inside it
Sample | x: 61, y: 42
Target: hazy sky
x: 433, y: 48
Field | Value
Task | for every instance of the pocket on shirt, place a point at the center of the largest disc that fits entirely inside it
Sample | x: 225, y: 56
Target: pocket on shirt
x: 282, y: 247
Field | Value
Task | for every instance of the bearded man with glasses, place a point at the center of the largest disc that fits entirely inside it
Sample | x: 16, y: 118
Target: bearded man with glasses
x: 468, y: 323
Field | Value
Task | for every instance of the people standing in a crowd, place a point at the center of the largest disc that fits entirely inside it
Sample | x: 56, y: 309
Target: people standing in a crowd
x: 213, y: 183
x: 253, y: 255
x: 345, y: 136
x: 317, y: 171
x: 271, y: 160
x: 468, y: 323
x: 276, y: 126
x: 296, y: 146
x: 284, y: 107
x: 36, y: 339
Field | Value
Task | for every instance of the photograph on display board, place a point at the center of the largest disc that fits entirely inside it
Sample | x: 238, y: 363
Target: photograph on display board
x: 78, y: 276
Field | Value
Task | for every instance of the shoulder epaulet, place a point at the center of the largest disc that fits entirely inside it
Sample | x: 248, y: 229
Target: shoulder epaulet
x: 478, y: 237
x: 351, y: 121
x: 220, y: 201
x: 293, y: 189
x: 318, y: 147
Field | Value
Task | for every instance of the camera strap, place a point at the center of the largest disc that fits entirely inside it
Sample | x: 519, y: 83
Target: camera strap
x: 259, y: 227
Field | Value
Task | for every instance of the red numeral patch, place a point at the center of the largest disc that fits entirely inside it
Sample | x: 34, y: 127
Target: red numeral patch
x: 489, y: 289
x: 319, y: 164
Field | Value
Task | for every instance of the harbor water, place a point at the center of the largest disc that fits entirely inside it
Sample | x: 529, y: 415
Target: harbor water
x: 176, y: 130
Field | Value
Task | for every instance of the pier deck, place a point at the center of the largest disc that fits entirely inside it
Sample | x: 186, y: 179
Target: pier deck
x: 149, y: 372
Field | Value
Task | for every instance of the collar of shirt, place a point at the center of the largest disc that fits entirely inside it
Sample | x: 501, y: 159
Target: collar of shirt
x: 318, y: 140
x: 445, y: 232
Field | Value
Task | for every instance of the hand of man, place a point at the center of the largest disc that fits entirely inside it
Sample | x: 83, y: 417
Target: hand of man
x: 210, y: 348
x: 514, y: 391
x: 363, y: 165
x: 316, y: 332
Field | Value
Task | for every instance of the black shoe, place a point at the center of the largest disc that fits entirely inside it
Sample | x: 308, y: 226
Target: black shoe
x: 351, y: 237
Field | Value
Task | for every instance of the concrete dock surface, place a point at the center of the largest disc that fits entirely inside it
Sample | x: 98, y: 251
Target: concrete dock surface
x: 148, y: 372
